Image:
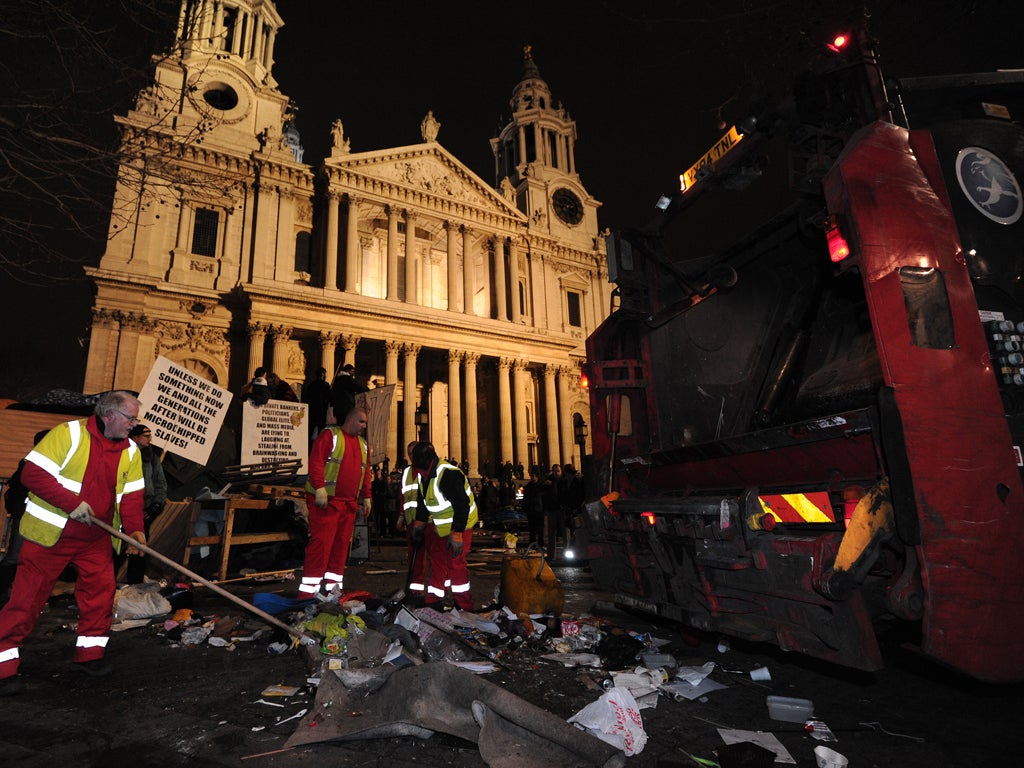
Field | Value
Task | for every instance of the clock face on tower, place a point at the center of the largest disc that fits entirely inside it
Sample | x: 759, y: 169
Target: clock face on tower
x: 567, y: 206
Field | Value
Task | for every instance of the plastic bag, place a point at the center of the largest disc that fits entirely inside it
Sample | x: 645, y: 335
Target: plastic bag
x: 140, y: 601
x: 614, y: 718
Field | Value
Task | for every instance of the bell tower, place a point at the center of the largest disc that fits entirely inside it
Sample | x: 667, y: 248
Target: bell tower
x: 211, y: 198
x: 535, y: 159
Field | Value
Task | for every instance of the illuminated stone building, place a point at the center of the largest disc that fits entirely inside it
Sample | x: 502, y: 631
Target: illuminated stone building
x: 228, y: 252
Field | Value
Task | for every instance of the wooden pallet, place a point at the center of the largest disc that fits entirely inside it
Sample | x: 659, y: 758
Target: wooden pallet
x: 227, y: 538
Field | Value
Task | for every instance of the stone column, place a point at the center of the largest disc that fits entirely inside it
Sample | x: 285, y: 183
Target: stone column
x: 454, y: 405
x: 453, y: 267
x: 393, y: 450
x: 328, y: 342
x: 513, y: 271
x: 268, y: 58
x: 284, y: 250
x: 411, y: 295
x: 565, y: 413
x: 488, y: 276
x: 505, y: 409
x: 349, y: 342
x: 468, y: 283
x: 472, y: 427
x: 538, y: 300
x: 551, y: 415
x: 409, y: 393
x: 500, y: 288
x: 257, y: 338
x: 392, y: 253
x: 99, y: 371
x: 279, y: 350
x: 520, y: 378
x: 130, y: 352
x: 179, y: 264
x: 352, y: 251
x: 331, y: 246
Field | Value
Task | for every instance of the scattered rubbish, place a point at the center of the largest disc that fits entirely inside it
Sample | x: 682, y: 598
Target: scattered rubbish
x: 296, y: 716
x: 761, y: 738
x: 681, y: 690
x: 655, y: 660
x: 195, y: 635
x: 140, y: 601
x: 615, y: 719
x: 280, y: 690
x: 574, y: 659
x: 723, y: 646
x: 790, y: 710
x: 268, y: 703
x: 381, y: 572
x: 829, y: 758
x: 819, y: 731
x: 694, y: 675
x: 760, y: 674
x: 275, y: 604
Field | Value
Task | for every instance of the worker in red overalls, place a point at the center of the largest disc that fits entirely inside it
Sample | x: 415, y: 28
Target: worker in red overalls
x: 81, y: 470
x: 339, y: 482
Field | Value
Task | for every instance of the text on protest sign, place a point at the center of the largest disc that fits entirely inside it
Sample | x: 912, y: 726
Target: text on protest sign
x: 184, y: 411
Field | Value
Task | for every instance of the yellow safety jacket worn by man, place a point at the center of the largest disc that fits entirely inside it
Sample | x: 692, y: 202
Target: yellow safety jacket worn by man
x: 410, y: 494
x: 65, y: 456
x: 333, y: 463
x: 440, y: 508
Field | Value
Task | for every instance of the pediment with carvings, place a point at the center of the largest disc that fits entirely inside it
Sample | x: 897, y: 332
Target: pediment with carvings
x: 431, y: 170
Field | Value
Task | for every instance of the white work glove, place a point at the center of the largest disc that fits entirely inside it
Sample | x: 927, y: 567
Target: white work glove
x: 82, y: 513
x: 321, y: 497
x: 367, y: 508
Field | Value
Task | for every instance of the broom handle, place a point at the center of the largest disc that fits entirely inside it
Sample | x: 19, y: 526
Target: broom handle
x: 302, y: 636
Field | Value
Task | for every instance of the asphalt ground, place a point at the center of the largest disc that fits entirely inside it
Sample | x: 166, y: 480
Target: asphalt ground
x: 174, y: 704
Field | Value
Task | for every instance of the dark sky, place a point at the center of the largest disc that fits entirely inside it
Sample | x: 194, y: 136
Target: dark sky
x: 643, y: 80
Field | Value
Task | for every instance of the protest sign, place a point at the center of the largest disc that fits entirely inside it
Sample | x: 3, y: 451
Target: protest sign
x: 377, y: 403
x: 275, y: 431
x: 183, y: 410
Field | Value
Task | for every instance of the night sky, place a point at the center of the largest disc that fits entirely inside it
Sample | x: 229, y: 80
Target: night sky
x: 647, y: 83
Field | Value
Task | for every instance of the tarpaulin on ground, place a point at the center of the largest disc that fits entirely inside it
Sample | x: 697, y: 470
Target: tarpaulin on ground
x: 418, y: 700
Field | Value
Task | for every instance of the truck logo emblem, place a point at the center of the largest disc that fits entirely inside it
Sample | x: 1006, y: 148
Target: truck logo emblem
x: 989, y: 185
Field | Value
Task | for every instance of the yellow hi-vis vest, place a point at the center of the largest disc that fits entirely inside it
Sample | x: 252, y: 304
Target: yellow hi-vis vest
x: 64, y: 455
x: 410, y: 493
x: 334, y: 462
x: 440, y: 508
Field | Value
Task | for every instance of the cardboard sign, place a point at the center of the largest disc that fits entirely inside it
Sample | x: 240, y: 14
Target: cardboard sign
x: 275, y: 431
x: 377, y: 403
x: 184, y: 411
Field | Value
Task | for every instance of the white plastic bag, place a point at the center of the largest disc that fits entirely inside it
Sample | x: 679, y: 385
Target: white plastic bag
x: 615, y: 719
x: 140, y: 601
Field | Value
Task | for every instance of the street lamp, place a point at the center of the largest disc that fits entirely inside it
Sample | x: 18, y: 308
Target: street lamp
x: 579, y: 431
x: 422, y: 422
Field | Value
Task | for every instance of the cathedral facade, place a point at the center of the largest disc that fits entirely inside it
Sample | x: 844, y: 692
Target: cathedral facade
x: 227, y: 252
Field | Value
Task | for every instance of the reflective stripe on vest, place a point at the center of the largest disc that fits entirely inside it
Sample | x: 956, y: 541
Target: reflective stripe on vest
x: 410, y: 493
x: 440, y: 508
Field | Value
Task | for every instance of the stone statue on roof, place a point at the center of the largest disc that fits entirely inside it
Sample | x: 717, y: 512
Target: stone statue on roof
x: 429, y: 127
